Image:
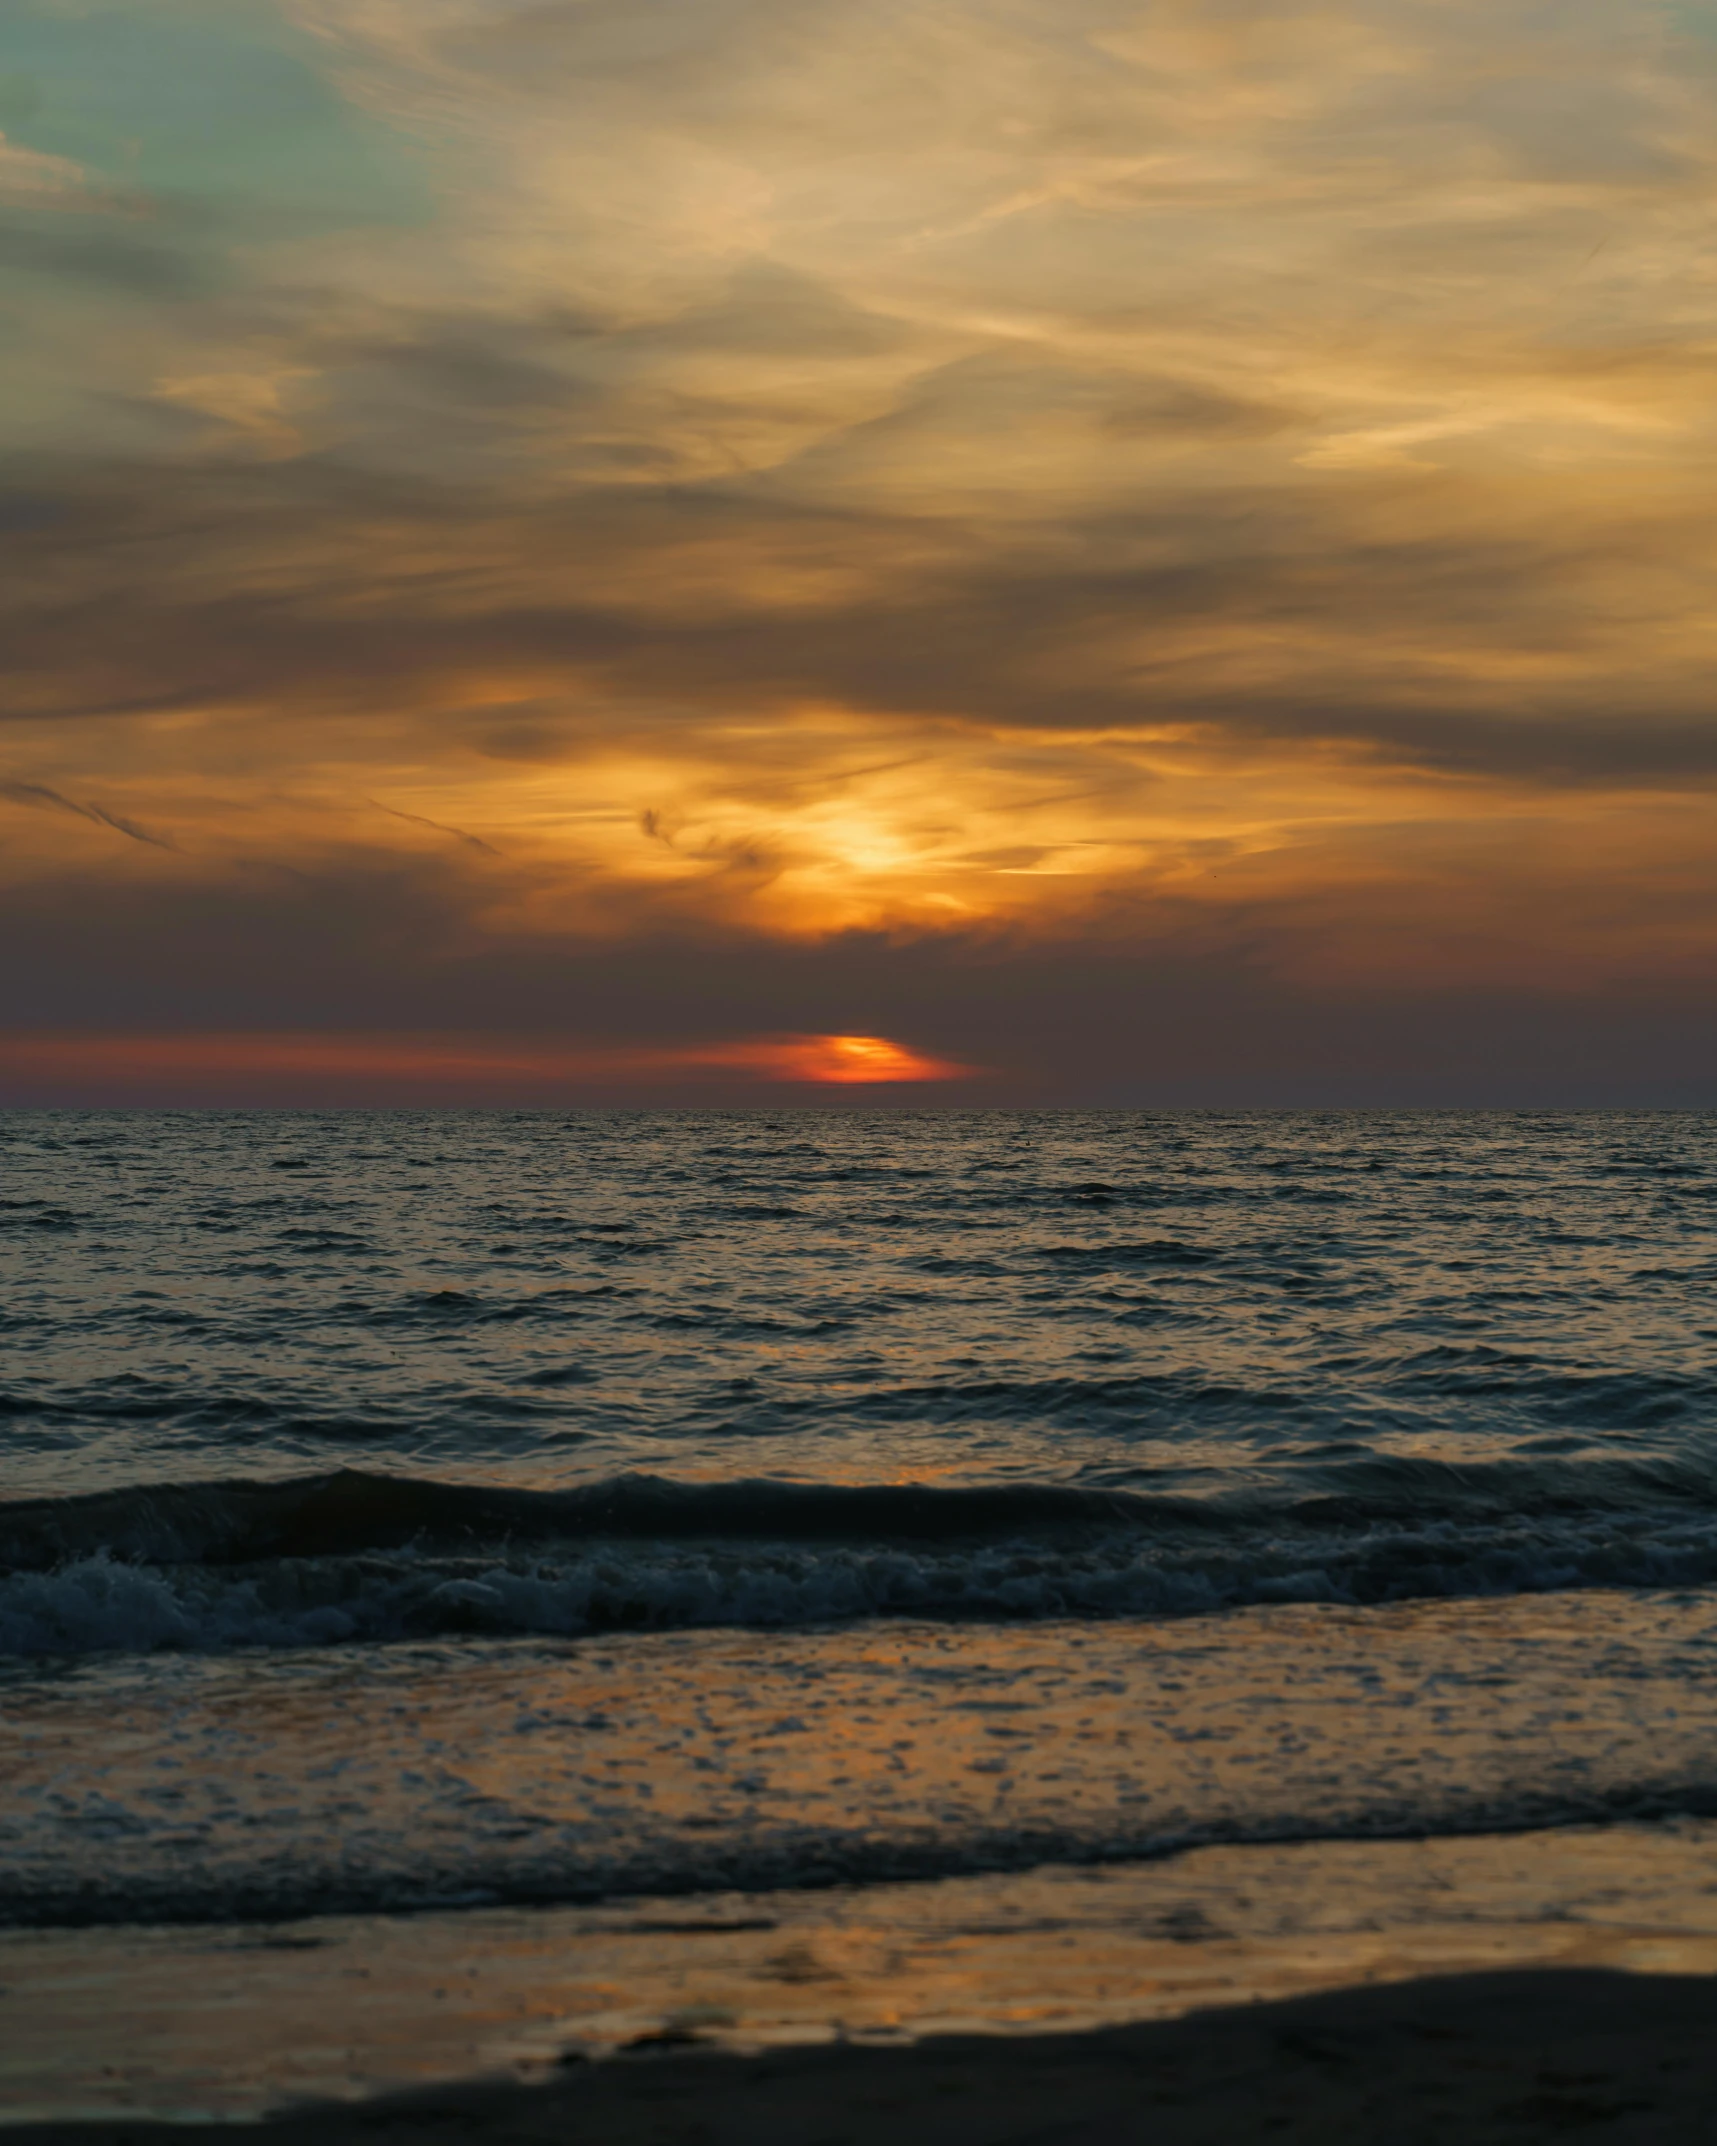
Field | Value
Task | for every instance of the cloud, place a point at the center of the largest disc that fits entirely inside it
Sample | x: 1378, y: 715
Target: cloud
x: 417, y: 819
x: 1277, y: 999
x: 145, y: 1067
x: 32, y: 178
x: 36, y: 793
x: 286, y: 585
x: 1209, y: 479
x: 129, y: 263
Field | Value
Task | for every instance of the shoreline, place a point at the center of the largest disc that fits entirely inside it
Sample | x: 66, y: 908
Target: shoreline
x: 225, y: 2023
x: 1504, y: 2057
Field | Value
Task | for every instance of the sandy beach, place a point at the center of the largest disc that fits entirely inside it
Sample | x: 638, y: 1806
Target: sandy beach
x: 1463, y: 2058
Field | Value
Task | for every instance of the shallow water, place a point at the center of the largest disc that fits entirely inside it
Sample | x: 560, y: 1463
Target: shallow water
x: 412, y: 1507
x: 237, y: 2019
x: 348, y: 1779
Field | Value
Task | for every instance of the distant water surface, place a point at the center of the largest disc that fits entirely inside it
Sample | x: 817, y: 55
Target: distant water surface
x: 401, y: 1399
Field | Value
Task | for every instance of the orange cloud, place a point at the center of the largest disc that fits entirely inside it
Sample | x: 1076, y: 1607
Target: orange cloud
x: 416, y: 1063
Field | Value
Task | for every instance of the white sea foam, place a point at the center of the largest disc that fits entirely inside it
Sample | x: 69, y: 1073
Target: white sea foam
x: 98, y: 1603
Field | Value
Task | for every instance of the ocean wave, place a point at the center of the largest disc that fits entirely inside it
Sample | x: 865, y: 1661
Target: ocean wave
x: 349, y: 1510
x: 349, y: 1557
x: 805, y: 1858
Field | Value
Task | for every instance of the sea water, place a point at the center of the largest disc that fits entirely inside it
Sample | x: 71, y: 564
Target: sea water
x: 439, y: 1512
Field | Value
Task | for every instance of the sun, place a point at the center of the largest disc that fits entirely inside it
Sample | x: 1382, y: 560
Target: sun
x: 850, y: 1060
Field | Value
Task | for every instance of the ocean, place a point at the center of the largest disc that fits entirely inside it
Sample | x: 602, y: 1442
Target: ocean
x: 452, y: 1515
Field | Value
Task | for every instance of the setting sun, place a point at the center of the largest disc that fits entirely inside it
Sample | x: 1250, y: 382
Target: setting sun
x: 849, y: 1060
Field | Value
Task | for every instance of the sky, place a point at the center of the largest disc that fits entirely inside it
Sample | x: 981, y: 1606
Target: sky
x: 895, y: 553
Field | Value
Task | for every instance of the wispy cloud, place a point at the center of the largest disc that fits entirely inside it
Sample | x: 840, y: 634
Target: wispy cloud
x: 417, y: 819
x: 428, y: 1065
x: 39, y: 794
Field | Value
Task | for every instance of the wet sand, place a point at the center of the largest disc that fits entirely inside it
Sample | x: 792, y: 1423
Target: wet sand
x: 118, y: 2028
x: 1470, y: 2058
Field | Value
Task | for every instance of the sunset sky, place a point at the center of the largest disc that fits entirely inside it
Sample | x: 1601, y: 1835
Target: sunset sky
x: 1026, y: 551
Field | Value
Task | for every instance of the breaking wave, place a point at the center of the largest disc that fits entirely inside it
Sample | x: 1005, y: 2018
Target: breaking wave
x: 349, y: 1556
